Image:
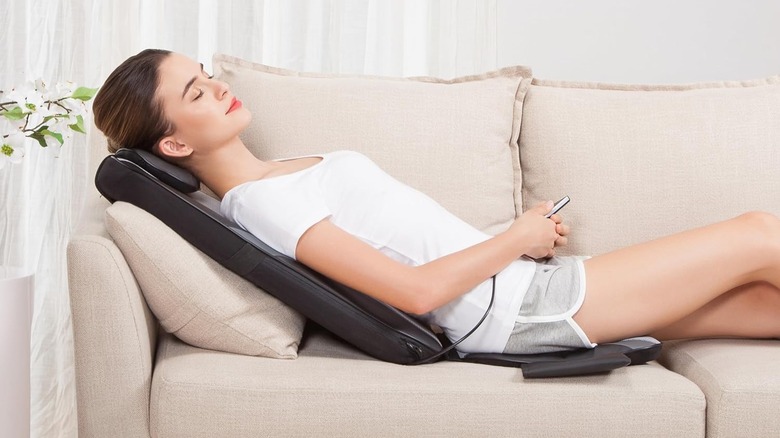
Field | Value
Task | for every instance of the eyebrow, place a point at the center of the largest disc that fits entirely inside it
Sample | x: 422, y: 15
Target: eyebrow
x: 191, y: 81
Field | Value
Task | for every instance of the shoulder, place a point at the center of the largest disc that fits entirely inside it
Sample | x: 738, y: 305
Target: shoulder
x: 348, y: 155
x: 353, y: 160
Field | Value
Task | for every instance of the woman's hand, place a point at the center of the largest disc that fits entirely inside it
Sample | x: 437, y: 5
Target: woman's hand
x: 538, y: 234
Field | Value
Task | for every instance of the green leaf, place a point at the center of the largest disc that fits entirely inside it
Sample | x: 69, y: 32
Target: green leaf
x: 79, y: 125
x: 57, y: 136
x: 84, y: 93
x: 14, y: 114
x: 37, y: 136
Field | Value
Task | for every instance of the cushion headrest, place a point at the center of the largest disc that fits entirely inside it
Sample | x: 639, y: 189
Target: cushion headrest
x: 175, y: 176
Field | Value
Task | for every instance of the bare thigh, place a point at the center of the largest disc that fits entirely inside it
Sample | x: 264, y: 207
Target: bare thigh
x: 644, y: 288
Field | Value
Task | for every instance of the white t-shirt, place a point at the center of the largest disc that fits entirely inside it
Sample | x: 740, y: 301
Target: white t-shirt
x: 401, y: 222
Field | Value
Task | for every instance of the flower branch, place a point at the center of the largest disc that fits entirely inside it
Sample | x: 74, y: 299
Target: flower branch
x: 47, y: 115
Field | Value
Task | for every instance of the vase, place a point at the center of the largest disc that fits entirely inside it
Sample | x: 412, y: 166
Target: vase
x: 16, y: 309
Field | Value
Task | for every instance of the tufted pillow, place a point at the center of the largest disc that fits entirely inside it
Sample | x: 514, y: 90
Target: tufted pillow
x: 195, y: 298
x: 453, y: 139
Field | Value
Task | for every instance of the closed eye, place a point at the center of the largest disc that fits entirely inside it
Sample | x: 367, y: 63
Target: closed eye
x: 200, y: 90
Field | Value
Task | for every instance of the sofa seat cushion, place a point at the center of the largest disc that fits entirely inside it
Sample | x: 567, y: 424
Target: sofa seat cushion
x: 740, y: 379
x: 333, y: 390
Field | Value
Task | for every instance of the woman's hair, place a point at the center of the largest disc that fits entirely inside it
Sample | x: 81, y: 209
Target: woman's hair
x: 127, y: 109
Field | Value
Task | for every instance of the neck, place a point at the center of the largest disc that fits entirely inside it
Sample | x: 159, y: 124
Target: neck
x: 225, y: 167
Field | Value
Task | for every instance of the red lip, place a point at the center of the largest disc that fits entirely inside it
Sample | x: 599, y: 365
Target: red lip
x: 234, y: 105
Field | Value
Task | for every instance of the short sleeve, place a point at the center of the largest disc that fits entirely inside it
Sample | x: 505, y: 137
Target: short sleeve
x: 276, y: 212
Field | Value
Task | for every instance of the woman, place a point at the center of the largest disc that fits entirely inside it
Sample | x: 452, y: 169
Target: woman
x: 399, y: 246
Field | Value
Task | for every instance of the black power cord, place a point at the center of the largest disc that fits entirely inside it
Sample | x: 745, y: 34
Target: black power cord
x: 448, y: 349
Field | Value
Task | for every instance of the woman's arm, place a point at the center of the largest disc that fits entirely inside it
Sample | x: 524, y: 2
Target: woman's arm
x: 337, y: 254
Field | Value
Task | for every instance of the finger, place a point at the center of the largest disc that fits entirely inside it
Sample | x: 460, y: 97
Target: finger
x: 556, y: 218
x: 562, y: 241
x: 544, y: 207
x: 562, y: 229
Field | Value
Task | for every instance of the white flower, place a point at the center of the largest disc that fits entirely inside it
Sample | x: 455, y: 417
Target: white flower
x: 12, y: 147
x: 77, y: 107
x: 10, y: 154
x: 62, y: 89
x: 16, y: 140
x: 27, y: 97
x: 62, y: 124
x: 41, y: 87
x: 6, y: 127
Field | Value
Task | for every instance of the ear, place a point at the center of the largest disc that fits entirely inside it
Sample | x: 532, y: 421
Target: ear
x: 170, y: 147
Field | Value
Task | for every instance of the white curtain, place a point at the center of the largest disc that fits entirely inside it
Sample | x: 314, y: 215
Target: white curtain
x: 83, y: 40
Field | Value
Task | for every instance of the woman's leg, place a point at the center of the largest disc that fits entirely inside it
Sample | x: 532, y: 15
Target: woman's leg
x: 749, y: 311
x: 649, y: 287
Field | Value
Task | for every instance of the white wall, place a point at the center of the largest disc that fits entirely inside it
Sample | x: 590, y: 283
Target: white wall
x: 635, y: 41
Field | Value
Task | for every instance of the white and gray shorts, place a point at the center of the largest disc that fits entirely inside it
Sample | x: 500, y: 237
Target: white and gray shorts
x: 544, y: 323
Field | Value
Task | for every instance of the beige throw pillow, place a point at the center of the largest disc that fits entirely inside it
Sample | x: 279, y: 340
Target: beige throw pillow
x: 194, y: 297
x: 644, y: 161
x: 455, y: 140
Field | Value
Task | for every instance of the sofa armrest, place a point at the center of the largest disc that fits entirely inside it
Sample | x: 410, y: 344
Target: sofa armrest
x: 114, y: 334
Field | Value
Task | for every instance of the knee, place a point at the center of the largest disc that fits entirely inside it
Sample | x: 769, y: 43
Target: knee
x: 763, y: 225
x: 761, y: 221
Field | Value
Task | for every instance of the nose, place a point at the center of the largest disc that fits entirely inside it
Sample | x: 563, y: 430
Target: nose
x: 221, y: 88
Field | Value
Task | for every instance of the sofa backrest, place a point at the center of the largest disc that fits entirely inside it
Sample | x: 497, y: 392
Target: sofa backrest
x: 643, y: 161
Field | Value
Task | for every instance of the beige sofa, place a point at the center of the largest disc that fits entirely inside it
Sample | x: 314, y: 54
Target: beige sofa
x: 637, y: 161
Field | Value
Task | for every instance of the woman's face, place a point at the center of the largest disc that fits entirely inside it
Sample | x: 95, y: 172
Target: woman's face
x: 204, y: 113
